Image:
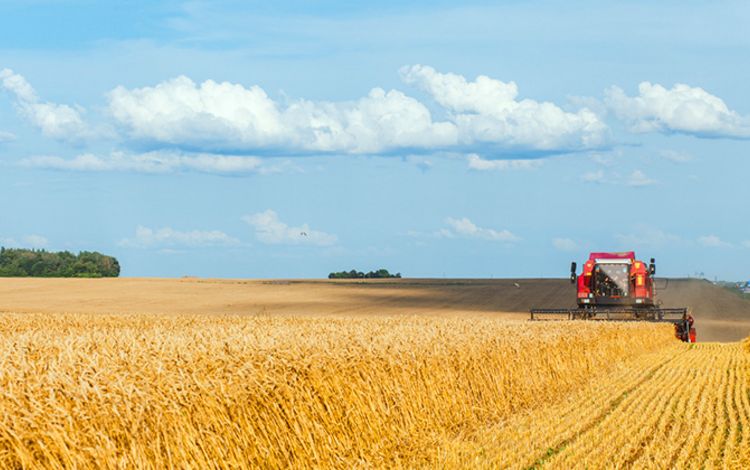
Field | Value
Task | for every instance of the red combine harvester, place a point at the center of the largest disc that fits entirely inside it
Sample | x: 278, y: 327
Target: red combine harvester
x: 616, y: 286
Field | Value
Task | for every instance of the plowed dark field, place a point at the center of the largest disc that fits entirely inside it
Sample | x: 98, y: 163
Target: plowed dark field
x: 720, y: 314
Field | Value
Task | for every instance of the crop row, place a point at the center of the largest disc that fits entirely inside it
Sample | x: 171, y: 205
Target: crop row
x: 685, y: 406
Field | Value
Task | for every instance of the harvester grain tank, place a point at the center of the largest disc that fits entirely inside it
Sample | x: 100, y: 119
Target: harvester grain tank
x: 617, y: 286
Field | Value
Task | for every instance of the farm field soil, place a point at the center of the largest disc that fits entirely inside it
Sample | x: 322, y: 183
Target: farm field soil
x: 237, y: 296
x: 720, y: 315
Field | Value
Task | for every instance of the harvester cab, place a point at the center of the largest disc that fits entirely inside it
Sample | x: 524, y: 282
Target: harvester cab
x: 617, y: 286
x: 615, y: 280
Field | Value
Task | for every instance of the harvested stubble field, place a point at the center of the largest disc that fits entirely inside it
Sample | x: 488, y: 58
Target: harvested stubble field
x: 227, y: 374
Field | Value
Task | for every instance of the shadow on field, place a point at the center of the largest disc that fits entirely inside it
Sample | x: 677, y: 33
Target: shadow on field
x: 482, y: 295
x: 721, y: 314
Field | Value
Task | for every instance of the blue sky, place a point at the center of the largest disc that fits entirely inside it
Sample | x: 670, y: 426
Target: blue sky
x: 291, y: 139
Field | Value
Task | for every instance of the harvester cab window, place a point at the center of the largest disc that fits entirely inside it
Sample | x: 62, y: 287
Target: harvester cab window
x: 611, y: 280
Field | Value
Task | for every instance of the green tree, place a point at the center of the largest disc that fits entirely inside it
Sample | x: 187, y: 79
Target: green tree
x: 40, y: 263
x: 354, y: 274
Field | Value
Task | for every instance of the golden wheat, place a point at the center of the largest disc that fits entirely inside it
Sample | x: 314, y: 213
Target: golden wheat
x: 206, y: 391
x: 684, y: 406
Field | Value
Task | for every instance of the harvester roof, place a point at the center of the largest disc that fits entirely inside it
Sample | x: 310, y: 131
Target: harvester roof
x: 623, y: 255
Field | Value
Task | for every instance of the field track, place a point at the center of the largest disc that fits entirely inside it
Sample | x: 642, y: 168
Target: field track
x: 721, y: 315
x: 682, y: 407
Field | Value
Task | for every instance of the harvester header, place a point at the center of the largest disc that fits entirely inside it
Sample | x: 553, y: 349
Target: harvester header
x: 617, y: 286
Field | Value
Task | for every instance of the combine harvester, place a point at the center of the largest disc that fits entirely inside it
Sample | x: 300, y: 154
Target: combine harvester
x: 616, y: 286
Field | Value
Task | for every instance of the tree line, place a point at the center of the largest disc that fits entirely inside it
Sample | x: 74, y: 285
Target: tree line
x: 354, y: 274
x: 19, y: 262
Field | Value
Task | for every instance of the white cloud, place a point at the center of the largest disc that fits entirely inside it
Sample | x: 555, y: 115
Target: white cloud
x: 230, y: 116
x: 58, y: 121
x: 225, y: 116
x: 675, y: 157
x: 477, y: 163
x: 593, y: 177
x: 644, y: 235
x: 152, y: 162
x: 167, y: 237
x: 713, y: 241
x: 269, y: 229
x: 28, y: 241
x: 746, y: 243
x: 685, y: 109
x: 18, y: 85
x: 424, y: 164
x: 564, y: 244
x: 6, y: 137
x: 605, y: 159
x: 637, y: 179
x: 464, y: 227
x: 488, y: 111
x: 35, y: 241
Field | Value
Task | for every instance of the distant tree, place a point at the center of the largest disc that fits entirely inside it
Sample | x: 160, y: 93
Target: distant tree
x: 354, y: 274
x: 19, y: 262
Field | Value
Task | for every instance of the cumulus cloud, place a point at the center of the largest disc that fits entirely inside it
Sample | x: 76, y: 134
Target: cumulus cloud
x: 488, y: 111
x: 151, y: 162
x: 607, y: 159
x: 270, y: 229
x: 564, y: 244
x: 638, y: 179
x: 682, y: 108
x: 464, y: 227
x: 420, y: 162
x: 644, y: 235
x: 674, y: 156
x: 58, y: 121
x: 478, y: 163
x: 6, y: 137
x: 168, y: 237
x: 713, y: 241
x: 593, y: 177
x: 28, y: 241
x: 226, y: 116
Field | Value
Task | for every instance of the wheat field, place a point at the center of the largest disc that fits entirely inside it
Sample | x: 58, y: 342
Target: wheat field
x: 233, y: 391
x: 684, y: 406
